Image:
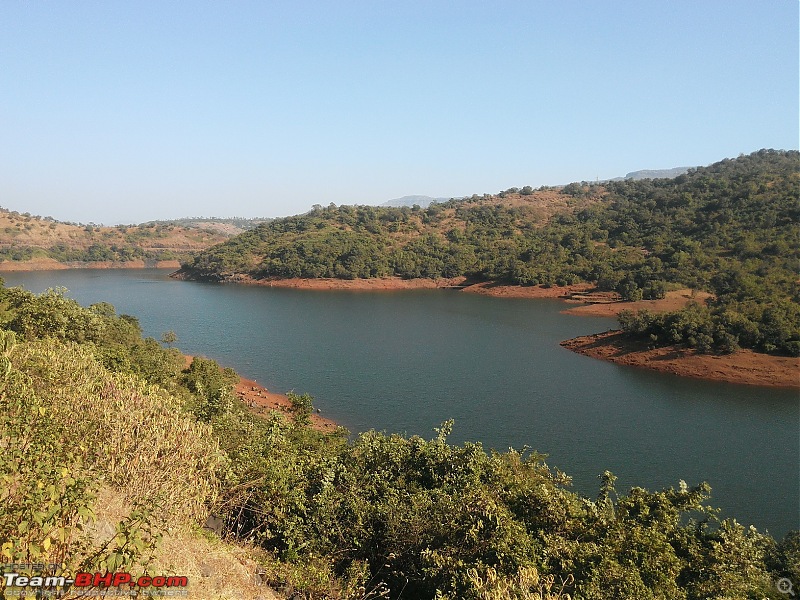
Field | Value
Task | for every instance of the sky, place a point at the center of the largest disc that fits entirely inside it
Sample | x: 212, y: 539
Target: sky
x: 124, y: 112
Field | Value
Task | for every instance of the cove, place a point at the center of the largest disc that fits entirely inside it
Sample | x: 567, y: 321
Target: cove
x: 406, y: 361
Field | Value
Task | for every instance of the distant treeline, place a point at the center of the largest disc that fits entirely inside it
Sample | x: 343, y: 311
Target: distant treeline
x: 94, y: 253
x: 730, y: 229
x: 28, y: 237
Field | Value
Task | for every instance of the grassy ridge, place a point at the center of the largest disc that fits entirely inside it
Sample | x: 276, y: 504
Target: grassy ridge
x: 26, y: 237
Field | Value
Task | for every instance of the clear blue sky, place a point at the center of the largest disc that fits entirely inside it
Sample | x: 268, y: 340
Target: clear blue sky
x: 129, y: 111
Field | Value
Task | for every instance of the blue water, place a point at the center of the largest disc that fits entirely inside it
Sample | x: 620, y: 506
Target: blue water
x: 407, y: 361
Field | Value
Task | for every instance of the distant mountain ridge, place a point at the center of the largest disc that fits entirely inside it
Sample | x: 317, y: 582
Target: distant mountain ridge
x: 25, y: 237
x: 426, y: 201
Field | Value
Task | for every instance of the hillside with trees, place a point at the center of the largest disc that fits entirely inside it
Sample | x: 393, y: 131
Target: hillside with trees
x: 227, y: 226
x: 322, y: 515
x: 729, y: 229
x: 26, y: 237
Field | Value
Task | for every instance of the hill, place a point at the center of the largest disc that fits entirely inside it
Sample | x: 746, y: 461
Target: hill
x: 729, y: 229
x: 27, y: 240
x: 657, y: 173
x: 366, y: 241
x: 227, y: 226
x: 426, y: 201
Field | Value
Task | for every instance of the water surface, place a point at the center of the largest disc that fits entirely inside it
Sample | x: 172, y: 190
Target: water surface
x: 406, y: 361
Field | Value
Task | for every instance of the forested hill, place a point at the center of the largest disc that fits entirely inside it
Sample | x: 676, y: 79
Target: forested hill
x: 729, y: 228
x: 476, y: 236
x: 734, y: 220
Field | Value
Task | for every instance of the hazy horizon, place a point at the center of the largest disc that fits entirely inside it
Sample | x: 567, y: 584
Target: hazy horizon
x: 123, y: 113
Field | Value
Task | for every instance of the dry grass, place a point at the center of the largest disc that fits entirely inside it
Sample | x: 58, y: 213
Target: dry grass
x: 609, y: 304
x: 134, y: 434
x: 34, y: 232
x: 216, y: 570
x: 154, y: 470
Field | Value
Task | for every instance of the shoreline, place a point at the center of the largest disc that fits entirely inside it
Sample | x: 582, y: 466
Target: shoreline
x: 743, y: 367
x: 50, y: 264
x: 261, y: 402
x: 748, y: 368
x: 391, y: 284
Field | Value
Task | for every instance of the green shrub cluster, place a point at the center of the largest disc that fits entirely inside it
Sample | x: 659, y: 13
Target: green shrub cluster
x: 420, y: 518
x: 74, y: 423
x: 722, y: 327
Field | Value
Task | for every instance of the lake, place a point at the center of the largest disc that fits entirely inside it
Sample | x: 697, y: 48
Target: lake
x: 407, y: 361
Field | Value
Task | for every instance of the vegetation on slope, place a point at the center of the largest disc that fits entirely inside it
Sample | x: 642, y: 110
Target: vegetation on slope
x: 462, y: 237
x: 228, y: 226
x: 70, y: 429
x: 26, y: 237
x: 729, y: 229
x: 379, y: 516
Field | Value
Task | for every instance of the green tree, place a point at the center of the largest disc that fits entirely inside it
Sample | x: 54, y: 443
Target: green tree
x: 169, y: 338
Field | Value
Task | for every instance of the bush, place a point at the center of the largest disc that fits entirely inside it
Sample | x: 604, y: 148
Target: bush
x: 133, y: 435
x: 128, y: 436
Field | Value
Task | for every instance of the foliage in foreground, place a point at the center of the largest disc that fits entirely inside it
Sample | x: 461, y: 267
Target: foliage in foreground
x: 425, y: 518
x: 87, y: 403
x: 68, y: 427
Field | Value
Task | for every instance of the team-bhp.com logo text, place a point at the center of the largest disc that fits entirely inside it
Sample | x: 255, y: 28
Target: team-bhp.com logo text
x: 107, y: 584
